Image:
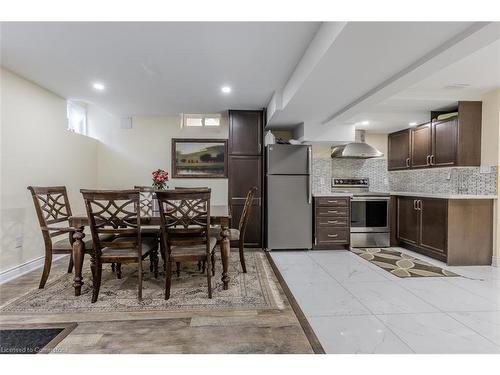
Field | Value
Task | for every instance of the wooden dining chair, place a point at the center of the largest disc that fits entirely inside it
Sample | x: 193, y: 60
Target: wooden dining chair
x: 237, y: 235
x: 53, y: 211
x: 146, y: 198
x: 185, y: 226
x: 117, y: 212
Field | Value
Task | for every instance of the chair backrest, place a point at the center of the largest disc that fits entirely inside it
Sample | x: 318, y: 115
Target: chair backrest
x: 246, y: 211
x: 114, y: 212
x: 185, y: 212
x: 146, y: 194
x: 52, y: 207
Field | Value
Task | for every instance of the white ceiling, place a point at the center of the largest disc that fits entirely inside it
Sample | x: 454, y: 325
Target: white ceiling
x: 466, y: 79
x: 158, y: 68
x: 324, y: 74
x: 386, y: 73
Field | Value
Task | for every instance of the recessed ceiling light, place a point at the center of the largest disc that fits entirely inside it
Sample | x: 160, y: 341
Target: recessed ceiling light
x: 98, y: 86
x: 226, y: 89
x: 412, y: 123
x: 365, y: 122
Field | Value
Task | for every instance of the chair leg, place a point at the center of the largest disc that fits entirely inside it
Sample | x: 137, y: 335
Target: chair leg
x: 139, y: 292
x: 113, y: 267
x: 209, y: 279
x: 156, y: 261
x: 118, y: 270
x: 168, y: 279
x: 242, y: 258
x: 213, y: 263
x: 203, y: 266
x: 46, y: 269
x: 96, y: 282
x: 70, y: 265
x: 178, y: 268
x: 199, y: 265
x: 151, y: 262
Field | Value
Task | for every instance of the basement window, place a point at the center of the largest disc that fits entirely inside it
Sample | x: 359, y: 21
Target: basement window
x: 201, y: 120
x: 77, y: 117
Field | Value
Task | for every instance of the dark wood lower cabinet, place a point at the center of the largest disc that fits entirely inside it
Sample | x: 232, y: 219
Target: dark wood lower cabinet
x: 332, y: 222
x: 433, y: 224
x: 408, y: 220
x: 456, y: 231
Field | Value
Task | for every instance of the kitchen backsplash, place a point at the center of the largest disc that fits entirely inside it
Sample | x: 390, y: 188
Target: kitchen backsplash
x: 454, y: 180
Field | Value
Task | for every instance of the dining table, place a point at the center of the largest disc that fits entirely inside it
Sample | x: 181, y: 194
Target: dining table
x: 220, y: 215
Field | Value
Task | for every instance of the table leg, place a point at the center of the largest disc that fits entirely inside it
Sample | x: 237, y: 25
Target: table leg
x: 225, y: 248
x: 78, y: 254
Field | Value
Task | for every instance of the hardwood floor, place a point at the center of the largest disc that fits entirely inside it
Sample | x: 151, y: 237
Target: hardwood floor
x: 248, y: 331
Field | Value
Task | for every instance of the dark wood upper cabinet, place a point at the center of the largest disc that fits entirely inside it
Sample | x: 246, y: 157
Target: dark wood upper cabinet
x: 454, y: 141
x: 245, y: 132
x: 444, y: 142
x: 399, y: 150
x: 408, y: 220
x: 421, y: 146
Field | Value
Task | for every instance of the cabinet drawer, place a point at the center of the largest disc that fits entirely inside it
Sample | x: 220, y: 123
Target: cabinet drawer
x: 333, y: 202
x: 332, y: 222
x: 333, y: 211
x: 332, y: 235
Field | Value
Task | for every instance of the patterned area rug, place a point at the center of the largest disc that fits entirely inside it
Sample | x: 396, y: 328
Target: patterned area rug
x: 401, y: 264
x: 257, y: 289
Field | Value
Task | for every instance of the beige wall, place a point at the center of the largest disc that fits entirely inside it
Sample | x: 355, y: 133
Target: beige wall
x: 126, y: 157
x: 379, y: 141
x: 36, y: 149
x: 490, y: 150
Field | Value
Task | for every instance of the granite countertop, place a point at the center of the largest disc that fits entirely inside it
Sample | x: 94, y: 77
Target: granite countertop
x: 410, y: 194
x: 442, y: 195
x: 331, y: 194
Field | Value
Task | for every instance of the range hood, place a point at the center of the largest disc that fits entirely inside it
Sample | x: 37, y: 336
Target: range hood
x: 356, y: 150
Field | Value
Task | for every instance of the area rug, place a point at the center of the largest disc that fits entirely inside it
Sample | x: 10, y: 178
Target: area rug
x: 256, y: 289
x: 401, y: 264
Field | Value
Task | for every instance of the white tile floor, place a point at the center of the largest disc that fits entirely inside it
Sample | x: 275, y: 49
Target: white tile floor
x: 356, y: 307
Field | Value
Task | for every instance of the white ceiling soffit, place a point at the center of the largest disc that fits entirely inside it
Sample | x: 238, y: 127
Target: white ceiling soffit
x: 368, y: 62
x: 158, y: 68
x: 466, y: 79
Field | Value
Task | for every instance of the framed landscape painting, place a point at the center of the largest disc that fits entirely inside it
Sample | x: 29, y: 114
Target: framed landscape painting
x: 199, y: 158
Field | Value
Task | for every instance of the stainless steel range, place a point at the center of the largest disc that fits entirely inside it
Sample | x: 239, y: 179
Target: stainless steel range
x: 369, y: 212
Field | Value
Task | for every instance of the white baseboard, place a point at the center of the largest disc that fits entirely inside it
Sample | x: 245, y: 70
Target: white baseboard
x: 23, y: 269
x: 495, y: 261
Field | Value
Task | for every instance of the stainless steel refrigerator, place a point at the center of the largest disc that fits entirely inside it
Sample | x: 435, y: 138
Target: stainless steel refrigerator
x: 289, y: 196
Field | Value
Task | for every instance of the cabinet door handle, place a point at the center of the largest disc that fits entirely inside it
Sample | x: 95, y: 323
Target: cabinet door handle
x: 333, y: 235
x: 333, y: 212
x: 333, y: 221
x: 428, y: 160
x: 408, y: 162
x: 419, y: 205
x: 433, y: 160
x: 332, y: 201
x: 414, y: 204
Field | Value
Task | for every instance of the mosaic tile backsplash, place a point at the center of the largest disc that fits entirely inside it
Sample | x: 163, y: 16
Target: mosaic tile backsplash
x: 454, y: 180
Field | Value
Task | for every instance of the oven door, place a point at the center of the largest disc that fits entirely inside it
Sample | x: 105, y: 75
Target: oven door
x: 369, y: 214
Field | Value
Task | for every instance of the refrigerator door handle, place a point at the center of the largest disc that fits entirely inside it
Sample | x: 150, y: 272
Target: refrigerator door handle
x: 309, y: 163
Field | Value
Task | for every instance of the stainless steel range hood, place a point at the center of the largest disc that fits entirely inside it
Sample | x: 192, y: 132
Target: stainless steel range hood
x: 356, y: 150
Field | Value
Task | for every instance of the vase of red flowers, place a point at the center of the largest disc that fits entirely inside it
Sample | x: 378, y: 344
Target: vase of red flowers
x: 160, y: 178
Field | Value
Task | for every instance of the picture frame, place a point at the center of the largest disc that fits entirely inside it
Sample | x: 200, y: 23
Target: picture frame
x: 199, y: 158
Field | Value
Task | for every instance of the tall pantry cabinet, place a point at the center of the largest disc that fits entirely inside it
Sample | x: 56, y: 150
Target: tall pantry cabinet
x: 245, y: 169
